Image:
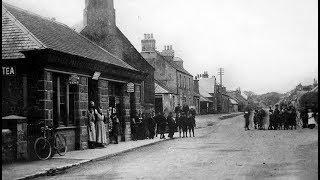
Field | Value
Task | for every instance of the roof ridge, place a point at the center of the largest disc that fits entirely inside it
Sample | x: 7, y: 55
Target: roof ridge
x: 164, y: 85
x: 71, y: 30
x: 35, y: 14
x: 23, y: 28
x: 102, y: 48
x: 174, y: 65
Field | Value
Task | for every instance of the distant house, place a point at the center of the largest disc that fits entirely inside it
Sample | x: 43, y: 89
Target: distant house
x: 237, y: 96
x: 169, y: 71
x: 206, y: 90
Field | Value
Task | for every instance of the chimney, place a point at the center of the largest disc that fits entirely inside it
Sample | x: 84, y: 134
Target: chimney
x: 196, y: 85
x: 148, y: 44
x: 99, y: 16
x: 168, y: 51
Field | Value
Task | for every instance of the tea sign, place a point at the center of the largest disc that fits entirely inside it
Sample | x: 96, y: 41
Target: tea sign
x: 8, y: 70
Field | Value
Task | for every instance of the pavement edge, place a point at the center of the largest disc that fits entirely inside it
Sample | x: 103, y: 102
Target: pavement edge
x: 53, y: 171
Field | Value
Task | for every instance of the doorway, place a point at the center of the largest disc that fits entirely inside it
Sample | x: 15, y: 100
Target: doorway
x: 93, y: 91
x: 158, y: 105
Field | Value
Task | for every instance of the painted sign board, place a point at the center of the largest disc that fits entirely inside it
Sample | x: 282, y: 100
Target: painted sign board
x: 130, y: 87
x: 9, y: 70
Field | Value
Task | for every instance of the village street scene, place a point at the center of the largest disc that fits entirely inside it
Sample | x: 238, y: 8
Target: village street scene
x: 150, y: 89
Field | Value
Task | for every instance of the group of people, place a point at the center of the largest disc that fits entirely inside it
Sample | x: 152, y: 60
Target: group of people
x: 283, y: 118
x: 149, y: 125
x: 143, y: 126
x: 98, y: 124
x: 280, y: 118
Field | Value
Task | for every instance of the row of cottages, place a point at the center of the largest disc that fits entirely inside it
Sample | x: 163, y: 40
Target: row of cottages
x: 239, y: 102
x: 51, y: 72
x: 214, y: 98
x: 174, y: 85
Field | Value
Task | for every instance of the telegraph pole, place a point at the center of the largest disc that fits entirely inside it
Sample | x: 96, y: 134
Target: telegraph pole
x: 221, y: 73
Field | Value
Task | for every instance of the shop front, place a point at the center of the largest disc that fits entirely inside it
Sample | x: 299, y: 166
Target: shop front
x: 57, y: 93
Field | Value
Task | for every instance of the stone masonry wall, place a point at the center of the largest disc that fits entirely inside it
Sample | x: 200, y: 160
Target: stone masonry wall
x: 104, y: 100
x: 81, y: 106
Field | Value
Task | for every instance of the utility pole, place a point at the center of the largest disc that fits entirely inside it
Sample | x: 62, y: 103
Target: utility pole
x: 221, y: 73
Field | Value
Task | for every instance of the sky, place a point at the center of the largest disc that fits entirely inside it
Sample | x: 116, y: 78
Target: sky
x: 263, y: 45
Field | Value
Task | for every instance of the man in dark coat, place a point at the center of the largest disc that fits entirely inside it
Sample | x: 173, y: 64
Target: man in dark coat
x: 246, y: 118
x: 185, y: 109
x: 151, y: 126
x: 184, y: 121
x: 286, y: 118
x: 177, y: 110
x: 191, y: 122
x: 256, y: 119
x: 133, y: 128
x: 276, y: 117
x: 271, y: 119
x: 161, y: 123
x: 171, y: 125
x: 115, y: 127
x: 261, y: 116
x: 304, y: 117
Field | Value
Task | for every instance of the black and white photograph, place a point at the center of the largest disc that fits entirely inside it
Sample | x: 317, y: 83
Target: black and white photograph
x: 160, y: 89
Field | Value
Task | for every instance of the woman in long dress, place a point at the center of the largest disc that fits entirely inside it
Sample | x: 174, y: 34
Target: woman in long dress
x: 91, y: 126
x: 101, y: 128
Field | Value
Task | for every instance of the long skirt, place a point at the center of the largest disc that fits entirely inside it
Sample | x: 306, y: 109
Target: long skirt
x: 92, y: 132
x: 101, y: 132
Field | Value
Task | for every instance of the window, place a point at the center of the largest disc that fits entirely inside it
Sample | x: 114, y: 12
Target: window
x: 63, y: 100
x: 180, y: 79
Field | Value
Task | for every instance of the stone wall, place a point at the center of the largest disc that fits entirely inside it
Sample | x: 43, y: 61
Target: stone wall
x: 104, y: 100
x: 81, y: 106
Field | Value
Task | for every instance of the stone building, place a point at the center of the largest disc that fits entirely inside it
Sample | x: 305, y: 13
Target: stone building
x: 206, y: 89
x: 51, y: 72
x: 169, y: 71
x: 99, y: 25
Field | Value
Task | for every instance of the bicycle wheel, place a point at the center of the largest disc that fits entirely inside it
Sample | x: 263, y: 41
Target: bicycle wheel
x: 42, y: 148
x: 60, y: 144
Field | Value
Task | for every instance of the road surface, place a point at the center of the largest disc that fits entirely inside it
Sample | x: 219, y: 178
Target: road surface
x: 220, y: 150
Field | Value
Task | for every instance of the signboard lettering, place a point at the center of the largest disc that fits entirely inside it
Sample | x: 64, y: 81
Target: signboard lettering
x: 96, y: 75
x: 130, y: 87
x: 8, y: 70
x: 74, y: 79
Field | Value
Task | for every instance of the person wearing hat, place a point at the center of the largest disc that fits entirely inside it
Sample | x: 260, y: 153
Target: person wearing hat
x: 276, y: 117
x: 246, y: 118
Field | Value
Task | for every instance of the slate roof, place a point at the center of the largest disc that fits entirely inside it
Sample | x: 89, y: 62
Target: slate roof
x: 161, y: 88
x: 238, y: 97
x: 204, y: 93
x: 15, y: 37
x: 56, y: 36
x: 174, y: 65
x: 204, y: 99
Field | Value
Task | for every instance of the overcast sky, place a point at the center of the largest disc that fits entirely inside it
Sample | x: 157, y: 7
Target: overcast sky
x: 263, y: 45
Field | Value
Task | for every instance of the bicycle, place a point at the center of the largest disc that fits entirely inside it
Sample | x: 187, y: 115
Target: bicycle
x: 43, y: 147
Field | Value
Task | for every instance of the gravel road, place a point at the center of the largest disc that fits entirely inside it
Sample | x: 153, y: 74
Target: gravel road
x: 220, y: 150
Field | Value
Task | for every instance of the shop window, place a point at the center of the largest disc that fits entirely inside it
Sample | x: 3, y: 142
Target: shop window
x: 63, y: 100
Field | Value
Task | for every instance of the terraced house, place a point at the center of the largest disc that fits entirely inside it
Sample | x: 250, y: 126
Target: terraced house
x: 169, y: 72
x: 51, y: 72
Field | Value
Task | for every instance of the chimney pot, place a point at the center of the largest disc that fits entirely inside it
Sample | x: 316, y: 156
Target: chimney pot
x: 170, y: 47
x: 151, y: 36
